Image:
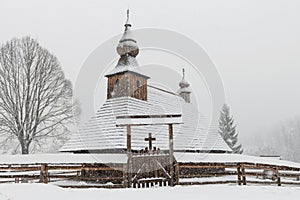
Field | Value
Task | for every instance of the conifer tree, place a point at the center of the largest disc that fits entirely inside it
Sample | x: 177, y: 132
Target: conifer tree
x: 227, y: 129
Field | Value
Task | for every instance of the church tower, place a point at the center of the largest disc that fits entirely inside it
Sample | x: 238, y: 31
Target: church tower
x: 126, y: 79
x: 184, y: 90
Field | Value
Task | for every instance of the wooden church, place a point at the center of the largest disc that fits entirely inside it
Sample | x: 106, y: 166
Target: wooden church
x: 143, y: 131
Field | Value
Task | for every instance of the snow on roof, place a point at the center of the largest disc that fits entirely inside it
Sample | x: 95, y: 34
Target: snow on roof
x: 127, y: 64
x: 63, y: 158
x: 102, y: 133
x: 232, y: 158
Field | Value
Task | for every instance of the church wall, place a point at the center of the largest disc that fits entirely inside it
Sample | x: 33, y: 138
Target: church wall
x: 185, y: 96
x: 126, y: 84
x: 138, y: 92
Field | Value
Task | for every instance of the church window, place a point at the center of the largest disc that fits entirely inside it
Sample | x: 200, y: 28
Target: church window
x: 117, y: 82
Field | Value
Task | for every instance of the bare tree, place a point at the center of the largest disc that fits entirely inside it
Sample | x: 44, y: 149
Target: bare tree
x: 35, y: 97
x: 283, y: 139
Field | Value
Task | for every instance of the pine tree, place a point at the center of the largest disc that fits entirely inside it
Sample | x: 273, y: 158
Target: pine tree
x: 227, y: 129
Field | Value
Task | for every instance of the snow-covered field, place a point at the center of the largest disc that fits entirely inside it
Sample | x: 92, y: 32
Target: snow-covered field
x: 215, y: 192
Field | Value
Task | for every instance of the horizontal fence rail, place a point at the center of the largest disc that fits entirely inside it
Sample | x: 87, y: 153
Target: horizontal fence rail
x: 80, y: 175
x: 113, y: 176
x: 237, y: 173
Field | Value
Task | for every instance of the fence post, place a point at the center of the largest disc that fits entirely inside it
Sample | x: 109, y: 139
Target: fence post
x: 125, y: 176
x: 239, y: 173
x: 177, y: 173
x: 243, y: 174
x: 82, y: 171
x: 44, y: 174
x: 278, y: 177
x: 17, y: 180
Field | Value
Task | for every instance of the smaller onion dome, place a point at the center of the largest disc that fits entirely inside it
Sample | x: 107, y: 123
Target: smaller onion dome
x: 184, y: 90
x: 183, y: 83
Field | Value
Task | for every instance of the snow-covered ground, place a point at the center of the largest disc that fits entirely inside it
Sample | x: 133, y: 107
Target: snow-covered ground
x: 215, y: 192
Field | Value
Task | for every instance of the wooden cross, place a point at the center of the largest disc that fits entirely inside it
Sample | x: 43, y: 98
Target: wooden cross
x: 150, y: 139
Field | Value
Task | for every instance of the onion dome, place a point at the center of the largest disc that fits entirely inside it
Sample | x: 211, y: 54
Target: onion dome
x: 128, y: 50
x: 184, y: 90
x: 183, y: 83
x: 127, y: 44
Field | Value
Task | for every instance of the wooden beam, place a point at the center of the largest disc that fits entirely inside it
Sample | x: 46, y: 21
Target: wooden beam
x: 128, y: 139
x: 23, y: 168
x: 147, y: 116
x: 129, y: 157
x: 144, y: 120
x: 44, y: 174
x: 243, y: 174
x: 92, y: 186
x: 85, y: 167
x: 171, y: 152
x: 207, y: 182
x: 28, y: 176
x: 177, y: 171
x: 206, y: 166
x: 278, y: 177
x: 239, y: 175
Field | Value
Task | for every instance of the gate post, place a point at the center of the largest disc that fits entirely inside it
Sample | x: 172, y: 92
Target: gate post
x: 177, y: 172
x: 129, y: 159
x: 171, y: 152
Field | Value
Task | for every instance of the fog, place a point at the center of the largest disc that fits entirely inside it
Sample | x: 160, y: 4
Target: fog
x: 255, y: 45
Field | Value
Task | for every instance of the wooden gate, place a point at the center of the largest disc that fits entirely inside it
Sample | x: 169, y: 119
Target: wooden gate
x: 139, y: 163
x: 151, y: 170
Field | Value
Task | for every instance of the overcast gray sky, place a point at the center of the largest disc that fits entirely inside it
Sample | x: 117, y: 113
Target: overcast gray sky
x: 254, y: 44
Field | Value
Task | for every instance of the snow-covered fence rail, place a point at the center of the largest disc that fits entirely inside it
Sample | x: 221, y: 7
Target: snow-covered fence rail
x: 84, y: 175
x: 240, y: 173
x: 64, y: 174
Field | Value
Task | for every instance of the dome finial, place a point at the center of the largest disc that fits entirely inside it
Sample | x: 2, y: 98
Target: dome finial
x: 183, y: 74
x: 127, y: 20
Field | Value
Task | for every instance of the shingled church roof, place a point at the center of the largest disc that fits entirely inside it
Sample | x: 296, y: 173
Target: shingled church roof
x: 100, y: 133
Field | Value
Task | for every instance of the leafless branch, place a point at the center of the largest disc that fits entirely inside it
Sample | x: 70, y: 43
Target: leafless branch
x: 35, y: 97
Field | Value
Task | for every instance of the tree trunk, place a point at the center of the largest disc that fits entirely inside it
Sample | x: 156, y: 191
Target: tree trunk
x: 24, y: 148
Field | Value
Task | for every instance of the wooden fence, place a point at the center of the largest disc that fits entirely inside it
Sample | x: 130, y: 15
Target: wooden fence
x: 238, y: 173
x: 61, y: 173
x: 83, y: 175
